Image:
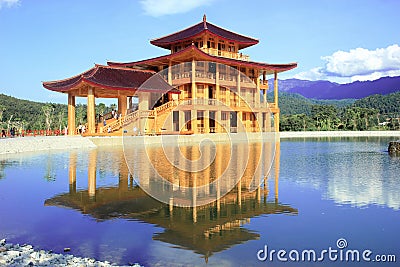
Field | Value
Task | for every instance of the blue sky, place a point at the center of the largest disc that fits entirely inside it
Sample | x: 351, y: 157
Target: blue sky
x: 337, y: 40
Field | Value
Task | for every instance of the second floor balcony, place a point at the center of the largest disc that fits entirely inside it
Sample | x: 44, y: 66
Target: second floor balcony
x: 227, y: 54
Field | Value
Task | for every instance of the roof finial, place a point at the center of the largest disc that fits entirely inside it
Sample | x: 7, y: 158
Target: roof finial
x: 204, y: 21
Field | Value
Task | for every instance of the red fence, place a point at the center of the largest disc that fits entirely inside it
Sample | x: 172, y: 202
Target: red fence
x: 35, y: 133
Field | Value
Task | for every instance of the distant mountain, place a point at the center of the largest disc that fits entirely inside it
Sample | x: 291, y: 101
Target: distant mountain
x: 330, y: 90
x: 290, y: 103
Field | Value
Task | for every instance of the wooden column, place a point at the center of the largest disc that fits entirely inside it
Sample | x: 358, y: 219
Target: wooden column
x: 238, y: 88
x: 276, y: 122
x: 194, y: 89
x: 91, y: 114
x: 170, y: 73
x: 122, y: 105
x: 276, y: 115
x: 218, y: 121
x: 276, y: 89
x: 217, y: 89
x: 265, y: 90
x: 71, y: 114
x: 258, y: 91
x: 194, y: 120
x: 206, y: 119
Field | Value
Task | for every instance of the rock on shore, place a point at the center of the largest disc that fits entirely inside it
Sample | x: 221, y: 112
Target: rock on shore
x: 394, y: 147
x: 26, y: 255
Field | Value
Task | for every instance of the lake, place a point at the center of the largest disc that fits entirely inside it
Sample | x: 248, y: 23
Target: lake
x: 333, y: 194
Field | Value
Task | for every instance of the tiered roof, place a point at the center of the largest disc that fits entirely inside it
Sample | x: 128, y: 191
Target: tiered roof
x: 195, y: 53
x: 201, y: 28
x: 115, y: 78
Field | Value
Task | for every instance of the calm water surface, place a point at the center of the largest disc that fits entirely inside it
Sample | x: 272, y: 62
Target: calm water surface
x: 317, y: 192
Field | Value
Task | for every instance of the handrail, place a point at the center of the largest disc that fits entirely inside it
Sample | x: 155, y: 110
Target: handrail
x: 120, y: 122
x: 166, y: 106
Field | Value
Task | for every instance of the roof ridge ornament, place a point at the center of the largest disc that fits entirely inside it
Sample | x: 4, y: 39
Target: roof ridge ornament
x: 205, y: 21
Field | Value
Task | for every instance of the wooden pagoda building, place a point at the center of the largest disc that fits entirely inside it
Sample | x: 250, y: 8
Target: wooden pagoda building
x: 204, y: 85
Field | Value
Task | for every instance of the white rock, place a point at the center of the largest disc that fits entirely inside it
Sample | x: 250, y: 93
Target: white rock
x: 13, y: 253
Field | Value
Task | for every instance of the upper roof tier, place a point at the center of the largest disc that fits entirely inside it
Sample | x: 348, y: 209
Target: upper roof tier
x: 200, y: 29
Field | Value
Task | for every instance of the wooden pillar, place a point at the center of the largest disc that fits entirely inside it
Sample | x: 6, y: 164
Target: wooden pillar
x: 238, y: 87
x: 217, y: 88
x: 194, y: 121
x: 258, y: 91
x: 276, y: 121
x: 170, y: 73
x: 276, y: 89
x: 194, y: 89
x: 218, y: 128
x: 182, y: 121
x: 122, y: 105
x: 206, y: 119
x: 276, y: 115
x: 71, y: 114
x: 91, y: 116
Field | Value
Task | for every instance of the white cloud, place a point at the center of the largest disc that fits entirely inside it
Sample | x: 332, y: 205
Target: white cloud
x: 8, y: 3
x: 158, y: 8
x: 314, y: 74
x: 358, y: 64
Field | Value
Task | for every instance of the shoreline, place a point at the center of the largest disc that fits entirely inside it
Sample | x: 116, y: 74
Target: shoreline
x: 28, y: 255
x: 19, y: 145
x: 317, y: 134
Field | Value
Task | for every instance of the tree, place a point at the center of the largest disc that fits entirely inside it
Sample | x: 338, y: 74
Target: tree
x: 2, y: 109
x: 325, y: 117
x: 48, y: 111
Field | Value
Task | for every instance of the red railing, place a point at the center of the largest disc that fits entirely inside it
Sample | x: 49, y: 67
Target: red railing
x: 34, y: 133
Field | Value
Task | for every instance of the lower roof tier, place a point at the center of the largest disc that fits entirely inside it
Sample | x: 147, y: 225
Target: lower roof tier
x: 111, y: 81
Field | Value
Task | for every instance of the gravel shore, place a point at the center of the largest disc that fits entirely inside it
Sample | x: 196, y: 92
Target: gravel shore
x: 43, y: 143
x: 26, y: 255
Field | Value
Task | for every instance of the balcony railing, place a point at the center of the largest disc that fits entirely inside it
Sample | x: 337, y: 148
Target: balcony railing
x: 227, y: 54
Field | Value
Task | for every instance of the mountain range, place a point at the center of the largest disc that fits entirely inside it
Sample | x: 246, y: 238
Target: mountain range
x: 331, y: 90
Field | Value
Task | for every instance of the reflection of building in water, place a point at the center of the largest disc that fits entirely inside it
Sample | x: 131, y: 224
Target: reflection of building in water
x: 198, y: 175
x: 205, y: 229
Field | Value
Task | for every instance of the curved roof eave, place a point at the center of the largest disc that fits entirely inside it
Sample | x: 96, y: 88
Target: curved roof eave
x: 271, y: 67
x: 200, y: 28
x: 88, y: 77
